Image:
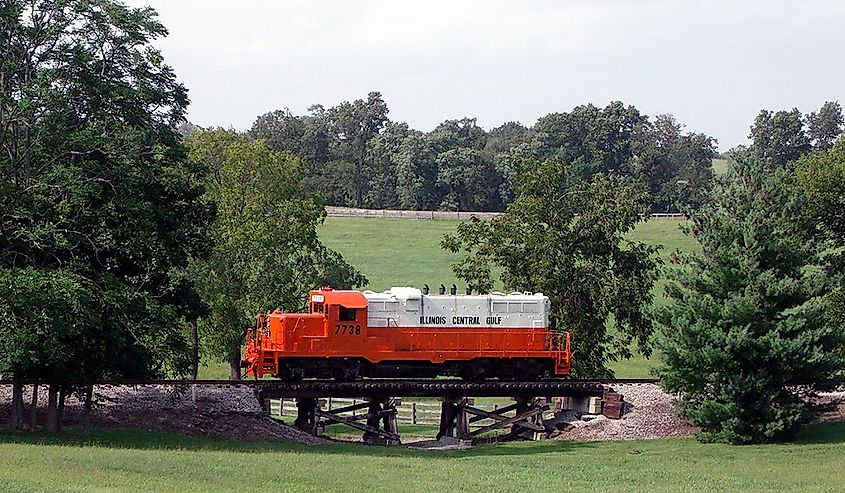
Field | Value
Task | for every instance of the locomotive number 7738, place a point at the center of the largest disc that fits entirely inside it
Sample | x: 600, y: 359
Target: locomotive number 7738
x: 343, y: 329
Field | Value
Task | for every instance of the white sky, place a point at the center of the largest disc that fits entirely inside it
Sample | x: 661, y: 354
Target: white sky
x: 713, y: 64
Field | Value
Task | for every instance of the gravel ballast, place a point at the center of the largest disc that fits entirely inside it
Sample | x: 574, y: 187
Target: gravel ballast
x: 649, y: 413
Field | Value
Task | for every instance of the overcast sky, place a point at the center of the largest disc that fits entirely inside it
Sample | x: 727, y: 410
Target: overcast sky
x: 713, y: 65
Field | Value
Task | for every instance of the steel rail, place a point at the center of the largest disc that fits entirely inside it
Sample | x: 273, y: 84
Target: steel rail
x: 388, y: 382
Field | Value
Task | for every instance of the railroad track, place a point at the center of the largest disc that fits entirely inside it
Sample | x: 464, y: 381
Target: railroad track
x: 248, y: 382
x: 404, y: 387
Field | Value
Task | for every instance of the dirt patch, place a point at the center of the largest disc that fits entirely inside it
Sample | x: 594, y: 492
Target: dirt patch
x: 230, y: 412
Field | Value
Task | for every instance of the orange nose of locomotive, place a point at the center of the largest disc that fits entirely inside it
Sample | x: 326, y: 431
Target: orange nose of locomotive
x: 252, y: 354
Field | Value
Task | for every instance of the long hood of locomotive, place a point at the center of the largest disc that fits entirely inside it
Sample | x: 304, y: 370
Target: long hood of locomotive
x: 407, y: 307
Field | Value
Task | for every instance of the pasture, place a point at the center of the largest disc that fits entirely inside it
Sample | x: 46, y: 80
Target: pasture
x: 403, y: 252
x: 127, y: 460
x: 406, y: 252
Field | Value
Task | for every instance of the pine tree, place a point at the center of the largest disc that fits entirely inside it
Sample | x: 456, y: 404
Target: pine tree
x: 746, y: 337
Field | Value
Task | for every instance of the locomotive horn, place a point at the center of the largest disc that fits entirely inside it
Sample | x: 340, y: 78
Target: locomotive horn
x: 454, y: 290
x: 469, y: 289
x: 442, y: 289
x: 425, y: 288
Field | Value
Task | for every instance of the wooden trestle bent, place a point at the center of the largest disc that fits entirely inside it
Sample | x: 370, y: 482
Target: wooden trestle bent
x: 379, y: 424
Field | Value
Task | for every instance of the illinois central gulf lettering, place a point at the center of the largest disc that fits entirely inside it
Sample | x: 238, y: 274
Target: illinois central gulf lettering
x: 465, y: 321
x: 494, y: 320
x: 432, y: 320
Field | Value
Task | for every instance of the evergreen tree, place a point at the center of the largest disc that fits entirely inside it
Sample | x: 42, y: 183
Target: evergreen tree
x: 745, y: 338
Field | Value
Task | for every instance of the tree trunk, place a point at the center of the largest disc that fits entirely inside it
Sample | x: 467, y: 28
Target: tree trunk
x: 86, y: 414
x: 235, y: 366
x: 195, y: 341
x: 52, y: 424
x: 358, y: 175
x: 61, y: 411
x: 33, y: 408
x: 16, y: 411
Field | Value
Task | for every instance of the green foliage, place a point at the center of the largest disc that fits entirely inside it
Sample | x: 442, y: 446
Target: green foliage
x: 354, y: 156
x: 819, y: 181
x: 266, y: 254
x: 416, y: 173
x: 97, y: 202
x: 747, y: 335
x: 384, y: 152
x: 779, y: 137
x: 596, y: 140
x: 566, y: 238
x: 784, y: 136
x: 467, y: 181
x: 824, y: 126
x: 677, y: 168
x: 33, y: 303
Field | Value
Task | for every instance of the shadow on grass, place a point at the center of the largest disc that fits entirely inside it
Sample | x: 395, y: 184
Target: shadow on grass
x: 826, y: 433
x: 822, y: 433
x: 151, y: 440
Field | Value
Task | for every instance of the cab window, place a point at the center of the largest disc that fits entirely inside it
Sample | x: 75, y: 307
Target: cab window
x: 347, y: 314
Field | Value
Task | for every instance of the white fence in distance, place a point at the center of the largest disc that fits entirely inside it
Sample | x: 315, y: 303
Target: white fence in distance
x: 333, y: 211
x: 408, y: 413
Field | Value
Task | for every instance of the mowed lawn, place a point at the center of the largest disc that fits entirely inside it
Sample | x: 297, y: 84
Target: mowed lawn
x: 406, y: 252
x: 124, y: 460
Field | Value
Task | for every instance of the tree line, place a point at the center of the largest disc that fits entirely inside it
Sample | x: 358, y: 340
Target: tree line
x: 355, y: 156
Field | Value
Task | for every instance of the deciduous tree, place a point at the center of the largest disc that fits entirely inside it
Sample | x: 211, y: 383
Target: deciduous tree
x: 565, y: 237
x: 266, y: 252
x: 824, y: 126
x: 95, y: 190
x: 779, y: 137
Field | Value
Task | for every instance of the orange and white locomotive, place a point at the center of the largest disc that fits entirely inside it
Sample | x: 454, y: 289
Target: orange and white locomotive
x: 404, y: 332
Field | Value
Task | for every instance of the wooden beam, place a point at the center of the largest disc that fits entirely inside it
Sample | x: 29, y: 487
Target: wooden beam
x: 481, y: 414
x: 520, y: 419
x: 357, y: 417
x: 355, y: 424
x: 351, y: 407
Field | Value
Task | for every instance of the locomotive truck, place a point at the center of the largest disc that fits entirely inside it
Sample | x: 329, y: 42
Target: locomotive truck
x: 408, y: 333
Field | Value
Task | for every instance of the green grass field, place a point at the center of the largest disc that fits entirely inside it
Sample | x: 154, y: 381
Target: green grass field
x: 405, y: 252
x: 124, y: 460
x: 402, y: 252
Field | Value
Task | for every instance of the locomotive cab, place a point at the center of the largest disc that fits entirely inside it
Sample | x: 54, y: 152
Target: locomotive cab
x: 345, y: 312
